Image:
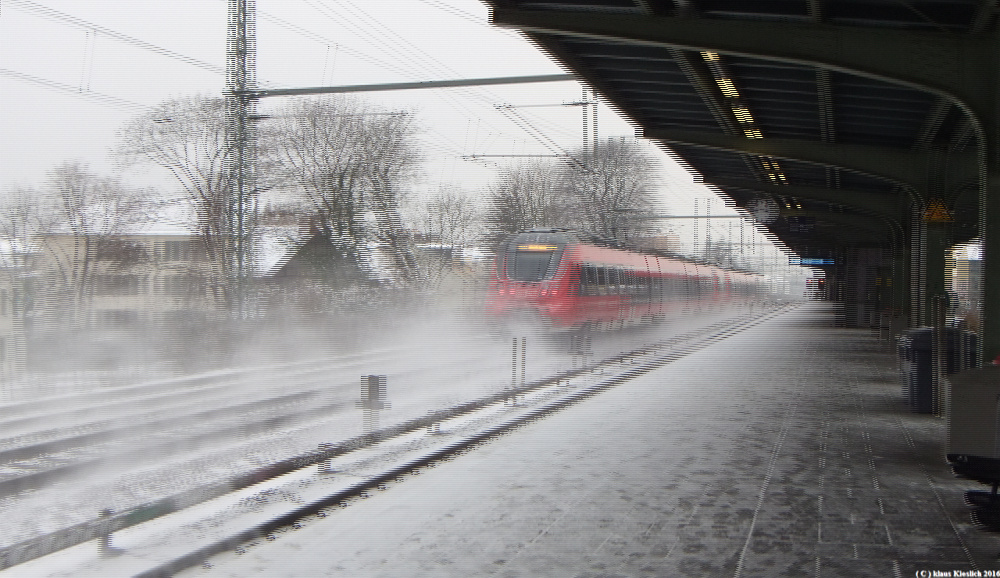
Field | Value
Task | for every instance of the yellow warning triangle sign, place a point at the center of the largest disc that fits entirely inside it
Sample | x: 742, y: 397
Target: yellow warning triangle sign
x: 936, y: 212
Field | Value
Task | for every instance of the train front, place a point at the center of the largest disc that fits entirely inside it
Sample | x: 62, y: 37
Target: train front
x: 532, y: 281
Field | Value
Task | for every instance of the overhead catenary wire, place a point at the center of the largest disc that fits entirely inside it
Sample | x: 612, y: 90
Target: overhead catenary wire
x: 469, y: 16
x: 55, y: 15
x: 407, y: 72
x: 105, y: 99
x: 428, y: 63
x: 87, y: 70
x: 410, y: 52
x: 92, y: 29
x: 297, y: 29
x: 539, y: 136
x: 420, y: 60
x: 412, y: 55
x: 519, y: 120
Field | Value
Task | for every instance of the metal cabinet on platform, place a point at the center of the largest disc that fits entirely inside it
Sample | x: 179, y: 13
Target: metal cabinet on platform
x: 973, y: 431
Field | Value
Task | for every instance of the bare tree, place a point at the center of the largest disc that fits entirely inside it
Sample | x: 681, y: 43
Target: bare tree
x: 70, y: 229
x: 450, y: 217
x: 352, y: 162
x: 187, y: 137
x: 392, y: 159
x: 526, y: 196
x: 25, y: 216
x: 613, y: 193
x: 451, y: 220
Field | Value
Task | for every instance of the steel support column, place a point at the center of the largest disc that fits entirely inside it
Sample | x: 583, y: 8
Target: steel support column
x: 989, y: 222
x: 936, y: 245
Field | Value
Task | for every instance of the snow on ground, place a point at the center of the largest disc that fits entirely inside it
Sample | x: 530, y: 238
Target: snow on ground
x: 445, y: 366
x: 751, y: 457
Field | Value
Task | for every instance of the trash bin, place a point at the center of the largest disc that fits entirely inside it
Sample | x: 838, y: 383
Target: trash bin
x: 903, y: 346
x: 915, y: 347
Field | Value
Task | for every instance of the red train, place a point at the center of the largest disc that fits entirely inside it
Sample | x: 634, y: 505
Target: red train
x: 569, y: 280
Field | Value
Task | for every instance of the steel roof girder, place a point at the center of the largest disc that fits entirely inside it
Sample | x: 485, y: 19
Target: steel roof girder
x: 840, y: 237
x: 868, y: 223
x: 950, y: 65
x: 888, y: 206
x: 903, y: 166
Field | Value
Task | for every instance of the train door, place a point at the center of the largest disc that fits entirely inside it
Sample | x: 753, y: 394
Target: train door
x: 657, y: 289
x: 645, y: 288
x: 627, y: 295
x: 615, y: 308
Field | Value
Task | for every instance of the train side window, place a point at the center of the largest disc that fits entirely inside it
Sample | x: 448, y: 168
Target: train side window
x: 641, y: 284
x: 631, y: 285
x: 588, y: 280
x: 613, y: 276
x: 641, y: 287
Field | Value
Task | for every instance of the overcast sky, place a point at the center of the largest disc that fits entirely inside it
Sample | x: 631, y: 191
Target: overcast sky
x: 77, y: 52
x: 72, y: 71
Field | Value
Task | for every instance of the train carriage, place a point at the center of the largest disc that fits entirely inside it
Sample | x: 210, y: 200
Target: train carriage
x: 570, y: 280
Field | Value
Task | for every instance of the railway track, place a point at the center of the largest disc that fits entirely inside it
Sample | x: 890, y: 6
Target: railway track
x: 133, y: 459
x: 172, y: 409
x: 515, y: 406
x: 24, y: 414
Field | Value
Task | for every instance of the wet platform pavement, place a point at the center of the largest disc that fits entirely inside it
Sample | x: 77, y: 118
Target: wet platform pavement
x: 785, y: 450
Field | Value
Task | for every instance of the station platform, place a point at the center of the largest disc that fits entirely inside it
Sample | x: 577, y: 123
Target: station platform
x: 784, y: 450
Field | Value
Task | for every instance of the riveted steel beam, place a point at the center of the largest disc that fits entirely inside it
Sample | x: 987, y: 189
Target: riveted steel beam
x: 835, y: 239
x: 851, y: 222
x: 906, y: 167
x: 955, y: 66
x: 884, y: 205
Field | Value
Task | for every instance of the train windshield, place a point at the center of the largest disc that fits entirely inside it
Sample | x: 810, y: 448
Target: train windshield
x: 533, y: 257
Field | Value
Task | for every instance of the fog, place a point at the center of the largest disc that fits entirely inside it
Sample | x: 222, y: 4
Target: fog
x: 144, y: 411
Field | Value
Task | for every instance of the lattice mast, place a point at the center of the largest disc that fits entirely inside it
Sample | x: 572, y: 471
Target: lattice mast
x: 241, y: 103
